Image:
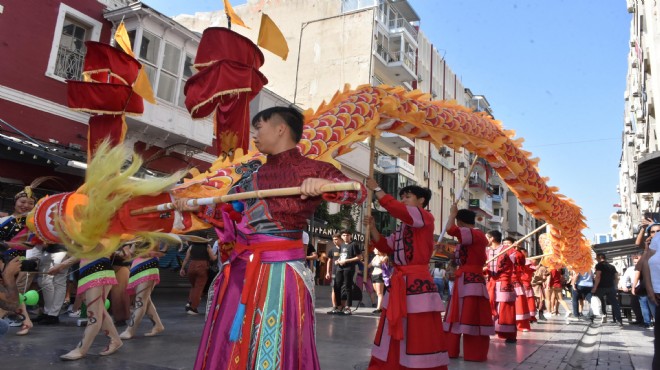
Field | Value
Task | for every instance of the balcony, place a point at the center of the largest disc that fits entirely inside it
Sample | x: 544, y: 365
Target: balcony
x: 399, y: 66
x: 496, y: 219
x: 394, y: 165
x: 497, y: 198
x: 396, y: 142
x: 481, y: 184
x: 483, y: 206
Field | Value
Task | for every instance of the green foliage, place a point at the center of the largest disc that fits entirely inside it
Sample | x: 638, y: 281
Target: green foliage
x: 348, y: 214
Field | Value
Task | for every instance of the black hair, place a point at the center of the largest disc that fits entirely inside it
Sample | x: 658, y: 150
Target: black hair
x: 601, y: 256
x: 336, y: 235
x: 495, y: 234
x: 345, y: 231
x: 466, y: 216
x: 509, y: 238
x: 419, y: 192
x: 292, y: 117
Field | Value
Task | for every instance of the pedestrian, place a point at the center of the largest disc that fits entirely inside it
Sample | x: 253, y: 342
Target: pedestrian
x: 331, y: 270
x: 650, y: 267
x: 539, y: 286
x: 377, y: 263
x: 349, y: 256
x: 555, y: 293
x: 469, y: 313
x: 605, y: 287
x: 53, y: 287
x: 195, y: 266
x: 412, y: 246
x: 438, y: 273
x: 581, y: 284
x: 266, y: 270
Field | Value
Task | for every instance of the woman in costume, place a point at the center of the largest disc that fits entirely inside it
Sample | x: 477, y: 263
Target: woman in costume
x: 412, y: 304
x: 522, y: 308
x: 13, y: 231
x: 96, y: 277
x: 262, y: 313
x: 143, y: 279
x: 500, y: 287
x: 526, y: 276
x: 469, y: 313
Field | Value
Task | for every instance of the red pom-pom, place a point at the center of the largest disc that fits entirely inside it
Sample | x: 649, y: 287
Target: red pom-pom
x: 227, y: 208
x: 235, y: 216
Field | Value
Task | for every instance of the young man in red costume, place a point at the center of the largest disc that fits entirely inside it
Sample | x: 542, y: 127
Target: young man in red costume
x: 410, y: 334
x: 522, y: 308
x: 526, y: 277
x: 469, y: 309
x: 500, y: 287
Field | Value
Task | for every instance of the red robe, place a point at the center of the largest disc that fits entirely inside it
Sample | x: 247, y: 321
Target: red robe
x: 410, y: 333
x: 469, y: 310
x: 502, y: 293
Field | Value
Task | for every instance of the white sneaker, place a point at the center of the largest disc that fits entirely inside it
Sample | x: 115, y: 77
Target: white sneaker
x: 15, y: 323
x: 567, y: 315
x: 74, y: 314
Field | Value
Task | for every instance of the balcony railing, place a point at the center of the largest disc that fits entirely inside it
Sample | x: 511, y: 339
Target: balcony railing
x: 69, y: 64
x: 395, y: 56
x: 397, y: 23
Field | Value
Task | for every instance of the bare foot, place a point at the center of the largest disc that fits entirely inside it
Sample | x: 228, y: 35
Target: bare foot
x: 156, y: 330
x: 25, y: 328
x: 112, y: 348
x: 73, y: 355
x: 126, y: 334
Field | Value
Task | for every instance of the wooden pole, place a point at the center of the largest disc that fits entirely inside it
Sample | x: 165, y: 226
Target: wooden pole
x: 539, y: 256
x: 518, y: 242
x: 282, y: 192
x: 370, y: 195
x: 458, y: 197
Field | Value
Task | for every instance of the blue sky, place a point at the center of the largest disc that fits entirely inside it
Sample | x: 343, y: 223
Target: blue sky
x: 554, y: 71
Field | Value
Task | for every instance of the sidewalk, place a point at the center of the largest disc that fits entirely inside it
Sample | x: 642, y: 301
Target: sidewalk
x: 343, y: 343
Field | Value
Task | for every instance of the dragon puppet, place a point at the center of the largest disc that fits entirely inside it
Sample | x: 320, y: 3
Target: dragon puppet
x: 96, y: 219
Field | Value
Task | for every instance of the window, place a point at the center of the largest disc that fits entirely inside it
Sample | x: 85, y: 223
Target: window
x: 67, y: 54
x: 187, y: 72
x: 168, y: 73
x: 520, y: 219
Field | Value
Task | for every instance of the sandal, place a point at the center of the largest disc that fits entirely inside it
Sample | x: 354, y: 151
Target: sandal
x: 24, y: 329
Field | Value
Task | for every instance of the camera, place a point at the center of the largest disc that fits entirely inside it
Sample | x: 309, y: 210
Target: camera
x: 26, y: 265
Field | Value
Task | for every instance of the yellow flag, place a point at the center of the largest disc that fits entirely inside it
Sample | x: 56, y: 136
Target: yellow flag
x: 142, y: 86
x: 121, y: 36
x: 235, y: 19
x: 271, y: 38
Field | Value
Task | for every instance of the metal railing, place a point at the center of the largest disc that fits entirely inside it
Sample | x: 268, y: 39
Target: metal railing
x: 396, y: 56
x: 69, y: 63
x: 402, y: 23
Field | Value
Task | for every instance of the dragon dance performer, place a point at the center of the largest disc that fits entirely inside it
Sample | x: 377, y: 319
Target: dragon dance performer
x: 12, y: 229
x: 143, y: 279
x: 500, y: 287
x: 410, y: 332
x: 95, y: 279
x: 527, y: 274
x: 522, y: 307
x: 262, y: 313
x: 469, y: 311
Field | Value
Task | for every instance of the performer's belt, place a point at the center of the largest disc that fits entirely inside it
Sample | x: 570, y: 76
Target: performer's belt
x: 396, y: 306
x: 274, y: 251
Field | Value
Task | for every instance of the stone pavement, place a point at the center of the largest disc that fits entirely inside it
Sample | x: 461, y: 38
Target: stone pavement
x: 343, y: 342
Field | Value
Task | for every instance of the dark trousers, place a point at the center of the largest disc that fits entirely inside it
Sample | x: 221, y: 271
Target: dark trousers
x: 610, y: 293
x: 344, y: 285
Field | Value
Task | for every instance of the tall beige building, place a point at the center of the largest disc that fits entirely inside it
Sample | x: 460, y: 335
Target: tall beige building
x: 638, y: 180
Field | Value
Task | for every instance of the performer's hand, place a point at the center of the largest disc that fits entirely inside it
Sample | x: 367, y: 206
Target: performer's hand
x: 55, y: 270
x: 182, y: 206
x: 453, y: 210
x: 371, y: 183
x: 312, y: 187
x: 368, y: 221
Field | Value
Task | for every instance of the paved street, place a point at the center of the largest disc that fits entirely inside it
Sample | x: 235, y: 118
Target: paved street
x: 343, y: 343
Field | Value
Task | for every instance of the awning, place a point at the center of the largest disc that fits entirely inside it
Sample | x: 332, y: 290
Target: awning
x: 648, y: 173
x: 34, y: 152
x: 618, y: 248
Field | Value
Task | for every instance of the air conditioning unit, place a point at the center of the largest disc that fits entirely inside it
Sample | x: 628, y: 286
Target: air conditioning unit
x: 439, y: 184
x: 628, y: 122
x: 631, y: 142
x: 630, y: 6
x: 461, y: 164
x: 640, y: 136
x: 426, y: 175
x: 636, y: 94
x: 632, y: 43
x: 634, y: 63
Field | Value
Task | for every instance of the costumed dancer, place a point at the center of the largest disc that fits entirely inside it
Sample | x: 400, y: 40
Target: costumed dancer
x: 526, y: 276
x: 522, y: 307
x: 263, y: 307
x: 95, y: 278
x: 13, y: 230
x: 500, y: 287
x: 412, y: 304
x: 469, y: 312
x: 143, y: 279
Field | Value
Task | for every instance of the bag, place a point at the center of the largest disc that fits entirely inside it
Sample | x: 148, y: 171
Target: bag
x: 596, y: 306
